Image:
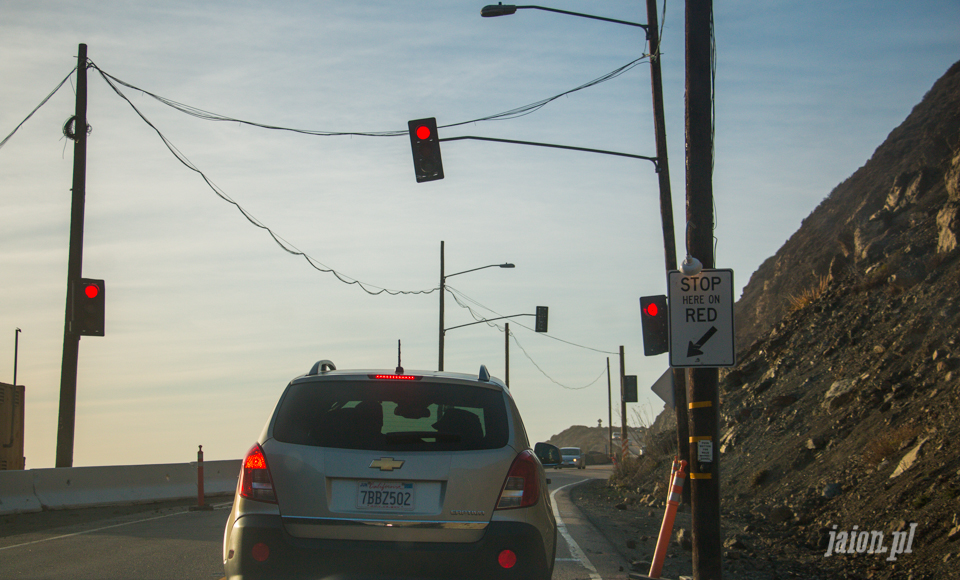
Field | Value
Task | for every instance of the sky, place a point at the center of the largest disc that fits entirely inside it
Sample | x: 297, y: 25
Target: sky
x: 208, y: 318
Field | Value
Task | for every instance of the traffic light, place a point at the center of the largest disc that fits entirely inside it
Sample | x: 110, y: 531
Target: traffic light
x: 630, y: 389
x: 88, y: 307
x: 653, y: 319
x: 425, y: 144
x: 542, y: 313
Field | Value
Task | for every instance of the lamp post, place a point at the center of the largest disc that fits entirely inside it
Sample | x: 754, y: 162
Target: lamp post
x: 663, y: 174
x: 443, y: 289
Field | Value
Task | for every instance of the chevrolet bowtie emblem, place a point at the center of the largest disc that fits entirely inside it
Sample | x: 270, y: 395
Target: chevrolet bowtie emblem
x: 386, y: 464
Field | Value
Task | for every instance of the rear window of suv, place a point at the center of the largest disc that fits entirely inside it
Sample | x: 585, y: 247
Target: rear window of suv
x: 392, y: 416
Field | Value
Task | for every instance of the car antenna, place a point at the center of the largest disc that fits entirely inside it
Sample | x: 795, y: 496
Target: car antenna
x: 399, y: 368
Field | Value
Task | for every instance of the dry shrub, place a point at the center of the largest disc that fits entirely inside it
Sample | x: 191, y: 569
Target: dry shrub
x: 888, y: 442
x: 810, y: 295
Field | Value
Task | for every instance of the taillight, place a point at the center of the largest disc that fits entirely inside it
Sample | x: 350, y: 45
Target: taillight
x: 255, y: 480
x: 522, y: 488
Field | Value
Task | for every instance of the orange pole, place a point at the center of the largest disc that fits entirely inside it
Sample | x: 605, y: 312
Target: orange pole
x: 674, y: 496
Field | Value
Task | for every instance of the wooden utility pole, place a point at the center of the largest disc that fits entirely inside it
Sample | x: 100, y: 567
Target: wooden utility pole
x: 666, y: 217
x: 702, y: 383
x: 609, y: 412
x: 624, y: 445
x: 443, y: 280
x: 71, y: 338
x: 506, y: 352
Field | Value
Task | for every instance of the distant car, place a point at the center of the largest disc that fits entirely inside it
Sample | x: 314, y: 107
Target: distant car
x: 572, y: 457
x: 387, y: 474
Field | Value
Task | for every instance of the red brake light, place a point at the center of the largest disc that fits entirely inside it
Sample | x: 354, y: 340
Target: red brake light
x: 396, y: 377
x: 522, y: 487
x: 255, y: 480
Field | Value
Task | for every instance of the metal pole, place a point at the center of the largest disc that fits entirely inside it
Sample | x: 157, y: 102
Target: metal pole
x: 703, y: 395
x: 442, y: 292
x: 16, y: 349
x: 71, y: 340
x: 624, y: 443
x: 666, y: 216
x: 609, y: 412
x: 506, y: 352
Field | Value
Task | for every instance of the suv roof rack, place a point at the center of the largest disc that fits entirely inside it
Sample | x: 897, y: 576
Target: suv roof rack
x: 322, y: 366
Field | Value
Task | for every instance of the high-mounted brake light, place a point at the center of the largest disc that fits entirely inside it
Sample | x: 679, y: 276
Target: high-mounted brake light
x: 255, y: 480
x: 396, y: 377
x: 522, y: 487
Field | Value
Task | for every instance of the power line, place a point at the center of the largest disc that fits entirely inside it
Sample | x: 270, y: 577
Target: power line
x: 37, y: 108
x: 511, y: 114
x: 455, y: 292
x: 284, y: 244
x: 458, y: 294
x: 526, y: 354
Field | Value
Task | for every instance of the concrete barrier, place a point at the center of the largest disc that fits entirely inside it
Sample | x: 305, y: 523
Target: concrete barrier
x: 16, y: 492
x: 65, y: 488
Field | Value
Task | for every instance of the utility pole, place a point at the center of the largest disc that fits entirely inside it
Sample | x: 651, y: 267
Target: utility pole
x: 624, y: 445
x: 71, y: 339
x: 442, y: 292
x: 703, y: 395
x: 506, y: 353
x: 16, y: 352
x: 666, y: 217
x: 609, y: 412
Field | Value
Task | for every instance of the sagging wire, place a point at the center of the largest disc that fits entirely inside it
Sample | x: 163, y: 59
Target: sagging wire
x: 526, y: 354
x: 37, y: 108
x: 284, y: 244
x: 457, y: 295
x: 511, y: 114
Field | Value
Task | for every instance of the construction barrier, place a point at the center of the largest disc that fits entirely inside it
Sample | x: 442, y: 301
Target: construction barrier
x: 33, y: 490
x: 674, y: 496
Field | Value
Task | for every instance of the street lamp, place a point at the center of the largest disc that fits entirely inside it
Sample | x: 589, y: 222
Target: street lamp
x: 443, y: 287
x: 663, y: 173
x: 502, y: 9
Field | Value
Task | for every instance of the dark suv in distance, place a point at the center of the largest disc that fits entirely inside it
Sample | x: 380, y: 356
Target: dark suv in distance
x: 386, y: 474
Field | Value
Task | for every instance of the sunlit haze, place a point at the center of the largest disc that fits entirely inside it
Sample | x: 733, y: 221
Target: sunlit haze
x: 208, y: 317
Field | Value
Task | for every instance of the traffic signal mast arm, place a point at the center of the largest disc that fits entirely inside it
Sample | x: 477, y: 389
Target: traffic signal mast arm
x: 487, y: 320
x: 654, y: 160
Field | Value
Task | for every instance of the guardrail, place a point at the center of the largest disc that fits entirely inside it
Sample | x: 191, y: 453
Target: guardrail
x: 34, y: 490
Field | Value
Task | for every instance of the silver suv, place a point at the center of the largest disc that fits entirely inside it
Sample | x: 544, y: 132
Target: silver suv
x: 373, y: 474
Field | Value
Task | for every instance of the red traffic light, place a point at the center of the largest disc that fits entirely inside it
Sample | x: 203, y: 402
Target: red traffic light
x: 425, y: 145
x: 91, y: 290
x: 656, y: 333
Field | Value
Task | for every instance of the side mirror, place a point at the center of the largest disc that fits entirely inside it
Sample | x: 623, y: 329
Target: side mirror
x: 549, y: 455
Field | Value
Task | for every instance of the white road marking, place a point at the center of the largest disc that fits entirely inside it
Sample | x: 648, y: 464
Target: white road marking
x: 186, y: 511
x: 574, y: 547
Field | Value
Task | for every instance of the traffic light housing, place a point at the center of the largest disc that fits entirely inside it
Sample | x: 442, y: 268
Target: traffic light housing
x: 425, y: 144
x: 88, y: 307
x: 542, y: 314
x: 630, y: 389
x: 655, y: 324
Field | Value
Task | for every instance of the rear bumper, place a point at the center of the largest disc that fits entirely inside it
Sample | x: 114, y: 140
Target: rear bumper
x: 291, y: 557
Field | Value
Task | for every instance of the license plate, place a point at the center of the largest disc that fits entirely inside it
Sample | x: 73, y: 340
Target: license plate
x: 386, y: 495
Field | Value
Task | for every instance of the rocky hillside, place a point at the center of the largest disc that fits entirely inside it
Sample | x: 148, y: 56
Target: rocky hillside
x: 893, y: 212
x: 843, y: 412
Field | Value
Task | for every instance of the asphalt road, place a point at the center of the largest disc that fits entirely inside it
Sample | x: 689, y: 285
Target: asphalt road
x: 169, y: 541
